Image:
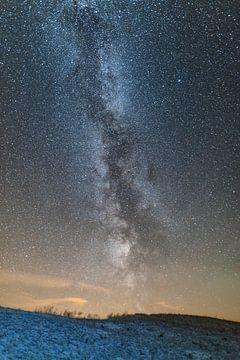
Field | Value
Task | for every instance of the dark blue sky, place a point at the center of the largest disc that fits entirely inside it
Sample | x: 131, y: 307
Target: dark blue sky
x: 120, y: 153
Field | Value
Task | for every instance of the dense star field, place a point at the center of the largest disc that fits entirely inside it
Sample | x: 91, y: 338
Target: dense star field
x: 120, y: 154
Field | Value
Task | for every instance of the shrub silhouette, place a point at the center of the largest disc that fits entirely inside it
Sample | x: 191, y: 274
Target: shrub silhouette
x: 47, y: 309
x: 50, y: 309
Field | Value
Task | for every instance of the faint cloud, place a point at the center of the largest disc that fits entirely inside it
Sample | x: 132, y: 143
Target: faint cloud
x: 56, y: 301
x: 167, y: 305
x: 32, y: 280
x: 8, y: 278
x: 22, y: 290
x: 87, y: 286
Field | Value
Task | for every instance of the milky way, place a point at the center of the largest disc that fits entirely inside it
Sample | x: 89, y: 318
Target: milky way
x: 127, y: 221
x: 120, y: 155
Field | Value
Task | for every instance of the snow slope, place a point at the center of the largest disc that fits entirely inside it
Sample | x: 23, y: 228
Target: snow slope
x: 25, y: 335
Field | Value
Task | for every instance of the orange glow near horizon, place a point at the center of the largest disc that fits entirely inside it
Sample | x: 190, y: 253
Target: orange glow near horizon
x: 30, y: 292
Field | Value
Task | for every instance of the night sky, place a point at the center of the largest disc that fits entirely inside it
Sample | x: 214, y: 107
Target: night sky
x: 120, y: 156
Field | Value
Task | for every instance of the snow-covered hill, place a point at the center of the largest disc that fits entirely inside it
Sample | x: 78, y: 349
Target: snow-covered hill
x: 25, y: 335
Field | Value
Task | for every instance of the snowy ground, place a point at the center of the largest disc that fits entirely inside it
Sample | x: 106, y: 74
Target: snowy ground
x: 25, y: 335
